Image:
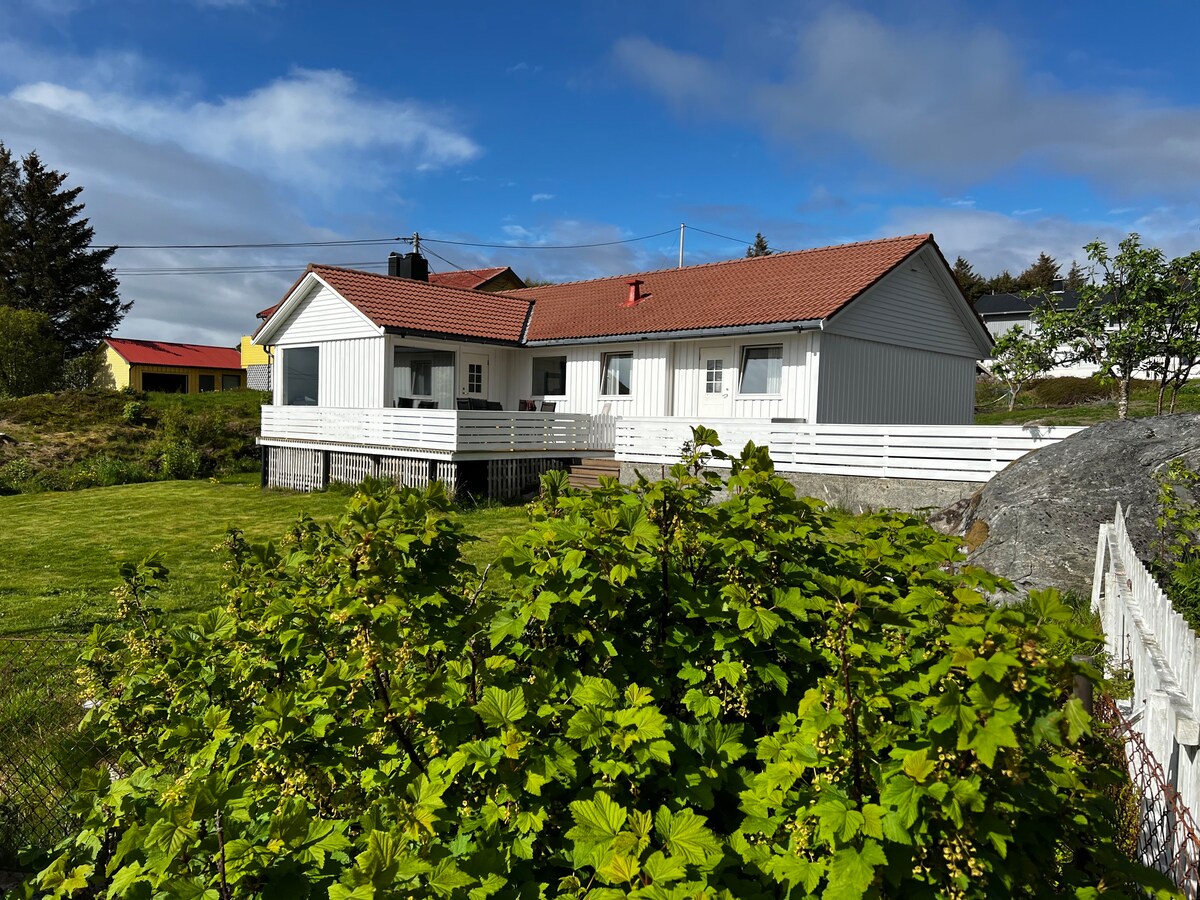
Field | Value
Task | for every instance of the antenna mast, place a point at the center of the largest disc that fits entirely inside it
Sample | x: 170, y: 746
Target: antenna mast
x: 682, y: 228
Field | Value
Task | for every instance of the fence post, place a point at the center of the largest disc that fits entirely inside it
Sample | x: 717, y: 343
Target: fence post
x: 1083, y: 684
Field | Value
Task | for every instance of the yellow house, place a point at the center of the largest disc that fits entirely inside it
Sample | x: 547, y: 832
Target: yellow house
x: 174, y: 368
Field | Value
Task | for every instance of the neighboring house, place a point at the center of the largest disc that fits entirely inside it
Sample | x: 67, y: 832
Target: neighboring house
x: 1003, y: 312
x: 256, y: 359
x: 874, y: 332
x: 173, y: 368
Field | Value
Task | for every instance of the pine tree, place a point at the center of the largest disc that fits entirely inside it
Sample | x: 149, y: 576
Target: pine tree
x: 972, y: 284
x: 47, y: 264
x: 1076, y: 278
x: 1004, y: 283
x: 759, y: 247
x: 1040, y: 276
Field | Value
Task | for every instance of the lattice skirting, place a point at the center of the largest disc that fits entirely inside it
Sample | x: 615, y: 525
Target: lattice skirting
x: 258, y: 377
x: 314, y: 470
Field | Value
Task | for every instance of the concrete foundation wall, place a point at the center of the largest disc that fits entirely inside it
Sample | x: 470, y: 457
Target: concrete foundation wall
x: 851, y: 492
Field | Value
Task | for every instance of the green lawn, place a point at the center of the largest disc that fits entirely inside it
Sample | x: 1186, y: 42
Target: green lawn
x: 59, y: 551
x: 1072, y: 401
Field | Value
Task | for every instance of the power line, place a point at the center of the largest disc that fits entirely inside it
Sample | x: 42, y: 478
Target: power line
x: 724, y: 237
x: 645, y: 237
x: 446, y: 261
x: 265, y: 246
x: 238, y: 270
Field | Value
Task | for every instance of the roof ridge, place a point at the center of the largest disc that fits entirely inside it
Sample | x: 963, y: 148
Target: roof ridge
x: 502, y: 295
x: 925, y: 236
x: 170, y: 343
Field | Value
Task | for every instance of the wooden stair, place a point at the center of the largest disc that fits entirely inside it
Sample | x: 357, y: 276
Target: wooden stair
x: 587, y: 473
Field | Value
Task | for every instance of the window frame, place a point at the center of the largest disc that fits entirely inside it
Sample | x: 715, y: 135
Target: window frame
x: 534, y: 392
x: 283, y: 373
x: 604, y: 360
x: 741, y: 377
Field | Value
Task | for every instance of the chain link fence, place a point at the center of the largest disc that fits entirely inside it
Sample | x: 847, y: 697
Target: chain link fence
x: 1159, y: 828
x: 41, y: 748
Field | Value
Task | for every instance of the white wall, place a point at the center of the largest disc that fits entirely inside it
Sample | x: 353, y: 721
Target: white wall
x: 797, y: 397
x: 864, y: 382
x: 323, y: 316
x: 651, y: 379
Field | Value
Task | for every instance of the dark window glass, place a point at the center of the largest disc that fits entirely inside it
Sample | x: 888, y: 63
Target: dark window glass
x: 208, y: 383
x: 164, y: 382
x: 301, y: 366
x: 231, y: 382
x: 549, y: 376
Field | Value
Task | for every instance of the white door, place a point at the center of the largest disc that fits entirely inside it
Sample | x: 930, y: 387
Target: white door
x: 473, y: 376
x: 716, y: 388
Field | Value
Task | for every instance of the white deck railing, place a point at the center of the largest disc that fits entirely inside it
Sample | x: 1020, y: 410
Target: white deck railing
x: 436, y: 433
x: 1146, y: 638
x: 941, y: 452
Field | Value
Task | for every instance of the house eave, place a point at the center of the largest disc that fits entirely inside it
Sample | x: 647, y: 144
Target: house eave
x: 396, y: 331
x: 683, y: 334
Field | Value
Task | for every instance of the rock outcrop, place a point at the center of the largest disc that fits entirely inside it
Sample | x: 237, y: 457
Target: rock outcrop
x: 1036, y: 523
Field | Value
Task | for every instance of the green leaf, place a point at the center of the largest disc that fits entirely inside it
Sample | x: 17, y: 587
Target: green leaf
x: 500, y: 708
x: 918, y: 766
x: 685, y: 835
x: 852, y: 871
x: 702, y: 705
x: 447, y: 877
x: 1079, y: 722
x: 597, y: 819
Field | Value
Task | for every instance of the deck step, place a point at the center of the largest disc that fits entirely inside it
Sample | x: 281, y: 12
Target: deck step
x: 587, y: 473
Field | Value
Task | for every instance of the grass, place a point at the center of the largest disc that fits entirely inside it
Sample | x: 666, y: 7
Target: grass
x: 59, y: 552
x: 1072, y: 401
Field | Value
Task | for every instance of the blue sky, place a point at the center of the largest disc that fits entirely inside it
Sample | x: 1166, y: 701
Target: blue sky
x: 1004, y: 128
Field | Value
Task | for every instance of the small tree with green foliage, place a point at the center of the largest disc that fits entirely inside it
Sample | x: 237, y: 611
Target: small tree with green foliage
x: 30, y: 357
x: 1120, y: 312
x: 1019, y: 359
x: 971, y: 283
x: 688, y: 688
x: 1175, y: 328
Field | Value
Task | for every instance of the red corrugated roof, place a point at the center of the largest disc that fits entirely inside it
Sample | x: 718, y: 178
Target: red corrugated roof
x: 785, y: 287
x: 408, y: 305
x: 162, y: 353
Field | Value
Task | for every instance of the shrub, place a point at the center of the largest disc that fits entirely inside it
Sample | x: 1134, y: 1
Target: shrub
x: 18, y: 476
x: 133, y: 412
x: 177, y: 459
x: 1069, y: 392
x: 106, y: 471
x: 665, y: 691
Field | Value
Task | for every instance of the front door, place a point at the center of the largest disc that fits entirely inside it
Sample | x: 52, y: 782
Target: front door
x: 473, y: 376
x: 715, y: 377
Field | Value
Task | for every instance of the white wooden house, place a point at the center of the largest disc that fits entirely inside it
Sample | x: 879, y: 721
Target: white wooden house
x: 394, y: 376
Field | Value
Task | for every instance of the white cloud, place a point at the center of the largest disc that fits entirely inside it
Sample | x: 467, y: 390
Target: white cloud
x: 538, y: 198
x: 951, y: 106
x: 315, y: 128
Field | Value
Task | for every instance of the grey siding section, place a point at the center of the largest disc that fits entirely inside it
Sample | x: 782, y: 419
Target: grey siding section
x: 867, y: 383
x: 910, y: 307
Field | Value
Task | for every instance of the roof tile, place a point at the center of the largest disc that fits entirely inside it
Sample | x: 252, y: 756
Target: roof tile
x: 162, y: 353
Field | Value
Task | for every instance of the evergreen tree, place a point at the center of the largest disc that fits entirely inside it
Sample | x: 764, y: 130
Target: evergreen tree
x: 47, y: 264
x: 30, y: 357
x: 972, y: 284
x: 1040, y: 276
x: 1004, y: 283
x: 1076, y: 277
x: 759, y: 247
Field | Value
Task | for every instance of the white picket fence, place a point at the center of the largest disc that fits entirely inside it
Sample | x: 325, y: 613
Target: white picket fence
x: 1147, y: 638
x: 940, y: 452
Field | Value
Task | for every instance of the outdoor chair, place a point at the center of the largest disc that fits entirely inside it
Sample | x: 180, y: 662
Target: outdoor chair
x: 495, y: 405
x: 462, y: 403
x: 548, y: 405
x: 427, y: 404
x: 526, y: 406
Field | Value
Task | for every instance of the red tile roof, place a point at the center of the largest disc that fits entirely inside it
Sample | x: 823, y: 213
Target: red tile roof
x: 469, y: 279
x: 785, y: 287
x: 806, y: 285
x: 417, y: 306
x: 162, y: 353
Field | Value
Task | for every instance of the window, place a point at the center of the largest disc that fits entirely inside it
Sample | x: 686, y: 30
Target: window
x: 762, y: 370
x: 208, y: 383
x: 474, y: 378
x: 549, y: 375
x: 421, y: 377
x: 301, y: 366
x: 230, y: 382
x: 165, y: 382
x: 616, y: 374
x: 714, y: 376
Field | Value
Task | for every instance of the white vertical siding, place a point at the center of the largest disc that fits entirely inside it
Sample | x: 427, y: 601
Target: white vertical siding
x: 651, y: 378
x: 324, y: 316
x: 797, y: 394
x: 911, y: 307
x: 863, y: 382
x: 352, y: 373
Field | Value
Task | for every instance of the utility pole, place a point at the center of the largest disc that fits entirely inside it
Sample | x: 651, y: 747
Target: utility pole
x: 682, y: 228
x: 416, y: 242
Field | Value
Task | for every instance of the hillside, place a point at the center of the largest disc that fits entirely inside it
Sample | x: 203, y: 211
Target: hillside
x: 75, y: 439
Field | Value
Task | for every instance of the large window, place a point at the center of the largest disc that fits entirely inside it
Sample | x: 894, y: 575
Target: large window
x: 549, y: 376
x: 208, y: 383
x: 231, y: 382
x: 423, y: 375
x: 616, y: 374
x: 300, y: 375
x: 166, y: 382
x: 762, y: 370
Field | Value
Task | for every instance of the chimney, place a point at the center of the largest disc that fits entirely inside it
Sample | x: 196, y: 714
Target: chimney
x: 410, y: 265
x: 635, y: 292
